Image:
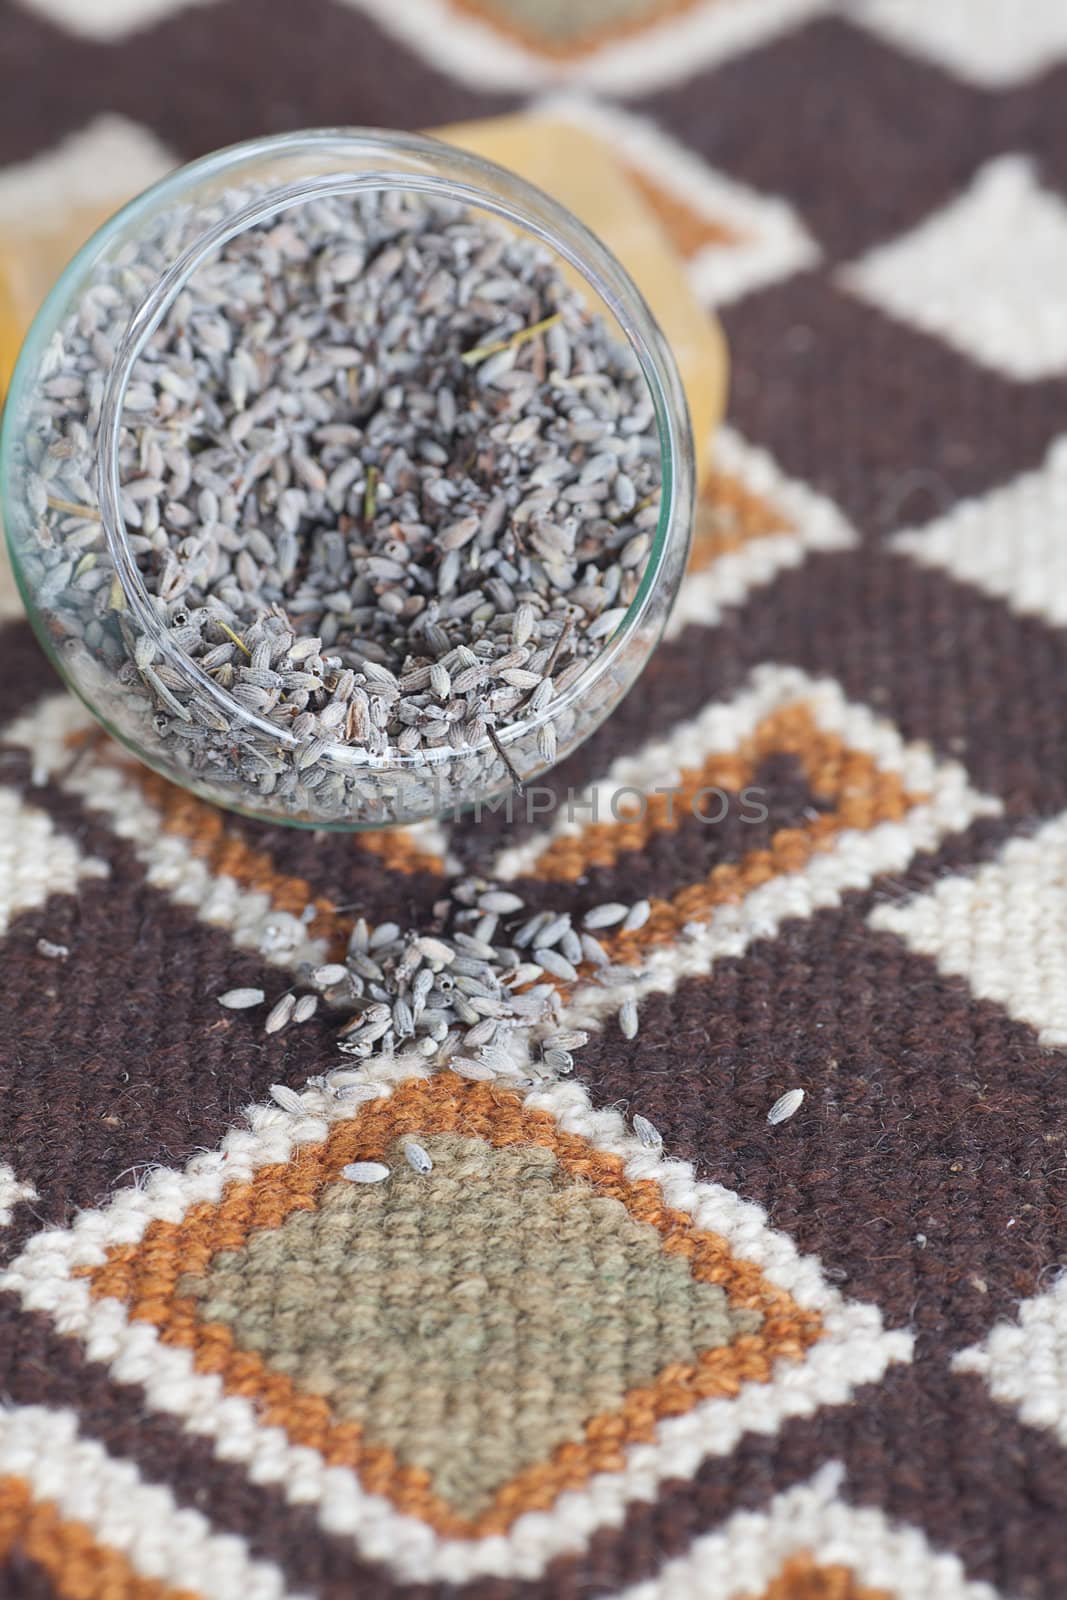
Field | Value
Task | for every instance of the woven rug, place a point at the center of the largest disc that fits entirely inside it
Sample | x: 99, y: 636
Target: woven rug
x: 823, y: 1359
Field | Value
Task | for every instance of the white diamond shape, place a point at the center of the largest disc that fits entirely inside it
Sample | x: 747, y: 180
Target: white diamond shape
x: 99, y: 165
x: 35, y: 859
x: 810, y: 522
x: 1003, y: 929
x: 993, y: 43
x: 747, y: 1553
x: 987, y: 273
x: 1024, y: 1363
x: 1011, y: 544
x: 108, y: 19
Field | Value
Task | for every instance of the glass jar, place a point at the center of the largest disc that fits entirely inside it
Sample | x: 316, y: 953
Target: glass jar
x: 118, y: 646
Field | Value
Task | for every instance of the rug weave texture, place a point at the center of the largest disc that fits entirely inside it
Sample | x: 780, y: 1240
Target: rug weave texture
x: 819, y: 1360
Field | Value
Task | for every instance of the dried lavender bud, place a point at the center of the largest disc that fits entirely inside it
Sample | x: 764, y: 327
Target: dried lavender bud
x: 241, y: 999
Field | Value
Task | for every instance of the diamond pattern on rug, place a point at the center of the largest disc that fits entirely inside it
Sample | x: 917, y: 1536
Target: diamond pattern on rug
x: 231, y: 60
x: 808, y: 1544
x: 854, y: 794
x: 991, y: 43
x: 209, y: 862
x: 732, y: 238
x: 128, y: 1092
x: 917, y: 1091
x: 438, y: 1314
x: 589, y: 1319
x: 986, y: 272
x: 1004, y: 929
x: 72, y: 1513
x: 560, y: 28
x: 923, y: 1176
x: 614, y: 46
x: 1009, y: 544
x: 613, y: 1333
x: 1024, y: 1362
x: 751, y: 523
x: 878, y: 803
x: 847, y: 365
x: 863, y: 143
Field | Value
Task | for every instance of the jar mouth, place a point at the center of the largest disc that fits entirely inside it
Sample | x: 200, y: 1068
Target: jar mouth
x: 421, y: 165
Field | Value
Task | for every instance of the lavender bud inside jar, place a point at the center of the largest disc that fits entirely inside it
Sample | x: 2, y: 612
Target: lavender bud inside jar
x: 347, y: 479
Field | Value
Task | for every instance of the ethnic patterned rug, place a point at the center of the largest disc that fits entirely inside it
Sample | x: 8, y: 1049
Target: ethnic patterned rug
x: 823, y: 1359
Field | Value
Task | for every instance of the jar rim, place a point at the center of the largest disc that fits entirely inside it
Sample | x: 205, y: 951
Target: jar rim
x: 433, y: 168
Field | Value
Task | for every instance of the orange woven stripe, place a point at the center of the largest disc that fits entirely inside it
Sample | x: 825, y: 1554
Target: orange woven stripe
x: 863, y: 793
x: 687, y: 229
x: 146, y: 1278
x: 205, y: 828
x: 865, y: 796
x: 729, y: 516
x: 803, y: 1578
x: 589, y: 39
x: 77, y: 1565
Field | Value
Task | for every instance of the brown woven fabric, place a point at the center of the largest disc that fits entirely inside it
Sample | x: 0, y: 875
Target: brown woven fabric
x: 823, y: 1360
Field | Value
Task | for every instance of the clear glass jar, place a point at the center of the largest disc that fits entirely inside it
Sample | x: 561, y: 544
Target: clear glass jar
x: 95, y: 617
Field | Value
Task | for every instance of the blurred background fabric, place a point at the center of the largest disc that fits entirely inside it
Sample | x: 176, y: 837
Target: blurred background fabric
x: 821, y: 1359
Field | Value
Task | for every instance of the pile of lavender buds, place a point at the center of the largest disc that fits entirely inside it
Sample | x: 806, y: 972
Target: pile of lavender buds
x: 481, y: 994
x: 389, y: 484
